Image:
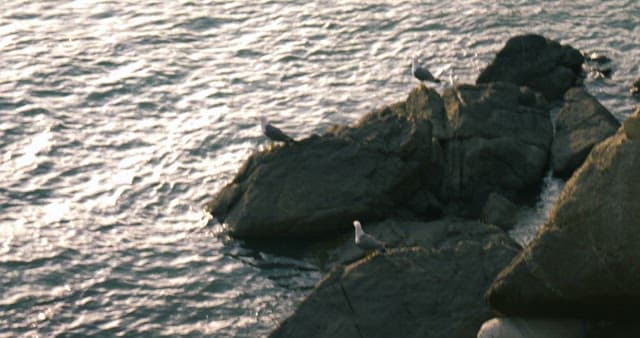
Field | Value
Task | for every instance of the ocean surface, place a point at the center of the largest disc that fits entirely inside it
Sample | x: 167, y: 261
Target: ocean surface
x: 120, y: 119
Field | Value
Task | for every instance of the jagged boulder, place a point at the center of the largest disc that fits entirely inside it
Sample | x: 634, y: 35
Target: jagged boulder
x: 321, y: 184
x: 583, y: 262
x: 581, y: 123
x: 498, y: 141
x: 409, y: 292
x: 539, y: 63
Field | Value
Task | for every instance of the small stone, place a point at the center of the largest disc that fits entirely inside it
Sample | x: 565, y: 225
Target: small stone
x: 632, y: 127
x: 499, y: 211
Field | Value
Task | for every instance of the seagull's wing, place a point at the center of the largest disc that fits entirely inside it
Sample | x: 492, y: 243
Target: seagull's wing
x: 369, y: 242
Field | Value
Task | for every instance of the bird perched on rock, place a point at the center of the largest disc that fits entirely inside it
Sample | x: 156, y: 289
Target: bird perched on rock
x: 365, y: 241
x: 421, y: 73
x: 273, y: 133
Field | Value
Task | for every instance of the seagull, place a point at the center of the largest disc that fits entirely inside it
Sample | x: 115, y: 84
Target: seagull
x: 421, y: 73
x: 365, y: 241
x: 273, y: 133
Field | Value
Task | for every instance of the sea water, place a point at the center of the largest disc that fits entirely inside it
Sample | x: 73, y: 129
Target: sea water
x: 120, y: 119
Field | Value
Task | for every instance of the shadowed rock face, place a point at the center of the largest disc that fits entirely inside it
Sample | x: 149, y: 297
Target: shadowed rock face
x: 536, y: 62
x: 581, y: 123
x: 583, y: 262
x: 409, y: 292
x: 499, y: 138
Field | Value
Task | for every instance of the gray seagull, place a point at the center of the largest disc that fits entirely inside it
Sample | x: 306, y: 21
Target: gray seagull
x: 273, y: 133
x: 365, y: 241
x: 421, y: 73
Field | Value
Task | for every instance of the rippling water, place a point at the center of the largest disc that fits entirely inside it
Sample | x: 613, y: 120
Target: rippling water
x: 120, y: 119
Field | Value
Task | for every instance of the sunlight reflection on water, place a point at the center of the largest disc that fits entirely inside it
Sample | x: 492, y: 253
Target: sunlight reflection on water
x: 119, y: 120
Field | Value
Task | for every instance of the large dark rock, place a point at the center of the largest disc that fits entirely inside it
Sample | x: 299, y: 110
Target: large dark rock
x: 536, y: 62
x: 583, y: 262
x: 499, y: 139
x: 581, y: 123
x: 409, y: 292
x: 321, y: 184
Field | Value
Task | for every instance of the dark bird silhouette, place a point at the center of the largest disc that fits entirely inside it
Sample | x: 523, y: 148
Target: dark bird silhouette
x: 273, y: 133
x: 421, y: 73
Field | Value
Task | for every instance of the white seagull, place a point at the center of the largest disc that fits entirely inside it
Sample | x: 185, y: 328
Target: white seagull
x: 365, y: 241
x: 273, y: 133
x: 421, y: 73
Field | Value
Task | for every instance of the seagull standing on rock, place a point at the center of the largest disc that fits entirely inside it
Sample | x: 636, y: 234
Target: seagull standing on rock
x: 365, y: 241
x: 421, y: 73
x: 273, y: 133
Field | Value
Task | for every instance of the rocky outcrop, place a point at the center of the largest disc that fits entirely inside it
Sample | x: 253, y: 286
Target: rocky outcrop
x: 499, y: 138
x: 583, y: 261
x: 321, y: 184
x: 487, y: 138
x: 581, y: 123
x: 536, y: 62
x: 433, y: 291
